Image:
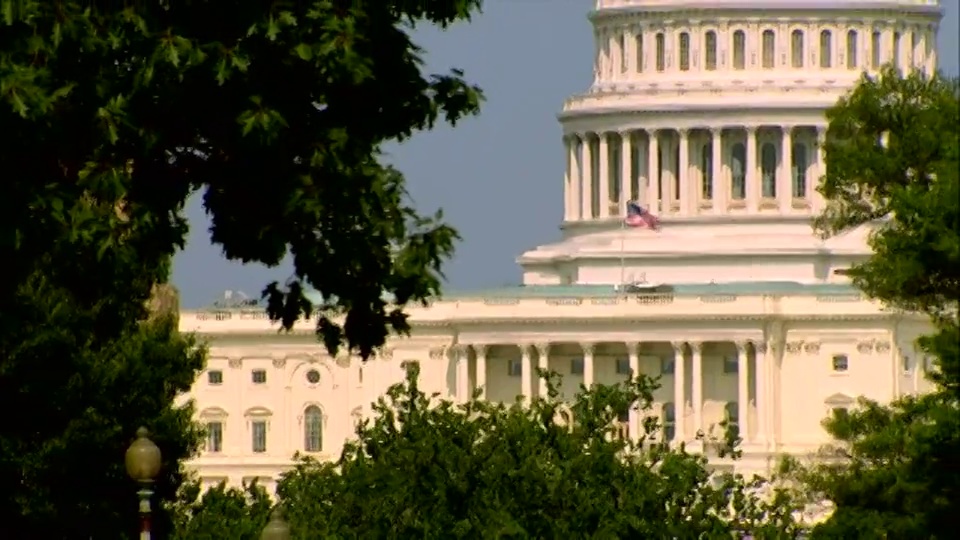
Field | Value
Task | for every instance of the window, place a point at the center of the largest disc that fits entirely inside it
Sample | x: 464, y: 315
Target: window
x: 769, y: 48
x: 312, y: 429
x: 852, y: 49
x: 906, y: 364
x: 684, y: 51
x: 313, y: 376
x: 826, y: 49
x: 622, y: 47
x: 796, y: 49
x: 258, y: 432
x: 669, y: 421
x: 215, y: 377
x: 731, y: 413
x: 639, y: 41
x: 676, y: 175
x: 738, y: 159
x: 661, y: 54
x: 839, y: 362
x: 668, y: 365
x: 768, y: 170
x: 875, y: 50
x: 214, y: 442
x: 706, y: 171
x: 258, y: 376
x: 896, y: 49
x: 623, y: 366
x: 576, y: 366
x: 711, y: 45
x: 799, y: 170
x: 731, y: 364
x: 513, y: 367
x: 739, y: 49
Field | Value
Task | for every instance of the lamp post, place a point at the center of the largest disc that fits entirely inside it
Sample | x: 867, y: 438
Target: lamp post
x: 277, y: 528
x: 143, y: 466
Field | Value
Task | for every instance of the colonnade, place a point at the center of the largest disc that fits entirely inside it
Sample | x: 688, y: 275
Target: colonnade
x: 699, y: 171
x: 755, y: 381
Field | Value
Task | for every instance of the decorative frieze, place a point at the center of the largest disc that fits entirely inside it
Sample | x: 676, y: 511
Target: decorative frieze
x: 279, y: 362
x: 812, y: 347
x: 437, y: 353
x: 235, y: 362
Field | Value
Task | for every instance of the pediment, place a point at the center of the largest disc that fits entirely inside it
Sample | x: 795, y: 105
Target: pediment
x: 839, y: 400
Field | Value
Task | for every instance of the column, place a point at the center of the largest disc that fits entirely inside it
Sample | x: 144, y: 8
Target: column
x: 751, y: 179
x: 683, y: 170
x: 761, y: 378
x: 743, y: 391
x: 526, y: 368
x: 720, y: 188
x: 816, y: 199
x: 604, y: 182
x: 785, y: 189
x: 586, y: 180
x: 567, y: 177
x: 588, y: 350
x: 626, y: 162
x: 633, y: 350
x: 480, y: 380
x: 653, y: 153
x: 696, y: 350
x: 543, y: 363
x: 679, y: 392
x: 573, y: 173
x: 463, y: 373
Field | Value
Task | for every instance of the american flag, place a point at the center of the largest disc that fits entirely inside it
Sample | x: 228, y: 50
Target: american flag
x: 638, y: 216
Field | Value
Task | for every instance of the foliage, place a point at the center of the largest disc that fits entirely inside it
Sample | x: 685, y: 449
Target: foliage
x: 277, y: 110
x: 221, y: 512
x: 892, y: 159
x: 423, y: 468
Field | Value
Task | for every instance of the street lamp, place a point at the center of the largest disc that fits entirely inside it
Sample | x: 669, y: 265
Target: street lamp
x: 277, y: 528
x: 143, y: 466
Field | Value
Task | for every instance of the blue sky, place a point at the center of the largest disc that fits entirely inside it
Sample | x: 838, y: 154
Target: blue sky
x: 498, y: 177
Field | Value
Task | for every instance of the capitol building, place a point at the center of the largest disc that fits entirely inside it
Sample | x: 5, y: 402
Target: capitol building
x: 710, y: 115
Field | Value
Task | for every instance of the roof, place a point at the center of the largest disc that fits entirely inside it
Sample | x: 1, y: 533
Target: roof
x: 775, y: 288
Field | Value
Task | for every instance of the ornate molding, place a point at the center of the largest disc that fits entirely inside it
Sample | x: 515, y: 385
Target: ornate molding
x: 543, y: 349
x: 280, y: 362
x: 235, y: 362
x: 696, y: 347
x: 882, y: 347
x: 812, y: 347
x: 865, y: 347
x: 741, y: 345
x: 760, y: 346
x: 793, y: 347
x: 385, y: 353
x: 588, y: 348
x: 480, y: 349
x: 438, y: 353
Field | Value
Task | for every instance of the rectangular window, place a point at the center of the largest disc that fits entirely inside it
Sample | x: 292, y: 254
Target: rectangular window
x: 576, y: 366
x: 875, y: 50
x: 731, y: 364
x: 826, y: 49
x: 711, y: 43
x: 839, y: 362
x: 796, y: 49
x: 669, y: 421
x: 215, y: 377
x: 639, y: 41
x: 684, y: 51
x: 852, y: 60
x: 622, y: 46
x: 661, y: 53
x: 214, y: 437
x: 668, y: 365
x: 259, y: 376
x: 769, y: 48
x: 513, y: 367
x: 623, y: 366
x: 259, y: 436
x: 739, y: 49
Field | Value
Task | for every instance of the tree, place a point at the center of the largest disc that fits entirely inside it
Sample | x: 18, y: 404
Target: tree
x: 221, y: 512
x: 892, y: 153
x: 424, y: 468
x: 277, y: 110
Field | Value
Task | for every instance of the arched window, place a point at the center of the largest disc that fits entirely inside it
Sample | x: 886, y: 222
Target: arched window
x: 312, y: 429
x: 769, y: 49
x: 684, y: 51
x: 661, y: 54
x: 738, y: 161
x: 711, y: 44
x: 796, y: 49
x: 875, y: 50
x: 706, y: 171
x: 739, y: 49
x: 768, y: 170
x: 799, y: 170
x: 669, y: 421
x: 826, y: 49
x: 639, y: 40
x: 896, y: 49
x: 852, y: 60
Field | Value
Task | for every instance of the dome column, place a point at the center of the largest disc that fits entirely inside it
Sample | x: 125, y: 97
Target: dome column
x: 753, y: 186
x: 653, y: 160
x: 626, y: 162
x: 683, y: 172
x: 720, y: 188
x: 815, y: 197
x: 586, y: 177
x: 785, y: 189
x: 604, y: 175
x: 573, y: 183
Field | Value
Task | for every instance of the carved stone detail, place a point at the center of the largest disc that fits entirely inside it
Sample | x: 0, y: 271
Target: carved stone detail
x: 793, y: 347
x: 280, y: 362
x: 882, y: 346
x: 480, y: 349
x: 386, y: 354
x: 696, y: 347
x: 588, y: 348
x: 543, y: 349
x: 437, y: 353
x: 235, y: 362
x: 342, y: 360
x: 865, y: 347
x: 741, y: 346
x: 679, y: 348
x: 760, y: 347
x: 812, y: 348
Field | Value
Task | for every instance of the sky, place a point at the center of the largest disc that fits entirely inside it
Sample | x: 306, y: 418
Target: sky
x: 498, y: 176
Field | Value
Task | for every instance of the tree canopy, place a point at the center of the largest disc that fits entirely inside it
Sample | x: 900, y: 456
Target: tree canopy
x: 277, y: 111
x: 892, y: 154
x: 424, y: 468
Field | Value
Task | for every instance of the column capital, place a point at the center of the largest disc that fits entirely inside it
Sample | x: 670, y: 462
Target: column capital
x: 696, y: 347
x: 480, y: 349
x: 821, y: 130
x: 588, y: 348
x: 787, y: 128
x: 633, y: 348
x: 683, y: 132
x: 716, y: 131
x: 625, y: 133
x: 525, y: 349
x: 678, y: 347
x: 543, y: 349
x: 760, y: 347
x: 458, y: 349
x: 742, y: 345
x: 751, y: 130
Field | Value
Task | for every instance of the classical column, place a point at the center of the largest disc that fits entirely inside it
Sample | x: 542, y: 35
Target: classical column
x: 653, y: 161
x: 463, y: 372
x: 629, y: 52
x: 816, y: 199
x: 633, y: 351
x: 720, y: 188
x: 752, y: 178
x: 588, y: 350
x: 568, y: 178
x: 586, y: 180
x: 604, y: 182
x: 543, y: 363
x: 760, y: 380
x: 743, y: 391
x: 696, y: 352
x: 526, y: 369
x: 683, y: 172
x: 679, y: 392
x: 626, y: 161
x: 480, y: 380
x: 785, y: 189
